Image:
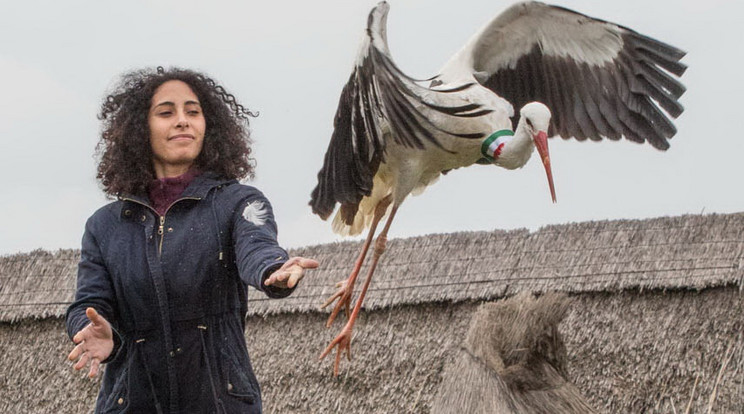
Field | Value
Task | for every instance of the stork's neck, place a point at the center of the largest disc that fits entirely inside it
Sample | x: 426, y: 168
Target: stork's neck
x: 511, y: 151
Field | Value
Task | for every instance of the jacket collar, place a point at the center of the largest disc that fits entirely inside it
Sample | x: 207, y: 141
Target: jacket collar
x: 203, y: 183
x: 199, y: 188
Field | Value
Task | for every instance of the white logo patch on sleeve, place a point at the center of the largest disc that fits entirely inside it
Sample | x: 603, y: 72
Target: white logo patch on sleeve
x: 256, y: 213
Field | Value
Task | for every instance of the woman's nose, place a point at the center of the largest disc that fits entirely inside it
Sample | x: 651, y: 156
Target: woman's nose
x: 183, y: 122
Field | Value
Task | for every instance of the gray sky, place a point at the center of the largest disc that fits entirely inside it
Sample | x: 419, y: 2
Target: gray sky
x: 289, y: 60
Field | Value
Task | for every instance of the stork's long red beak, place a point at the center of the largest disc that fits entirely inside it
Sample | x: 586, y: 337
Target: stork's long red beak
x: 541, y: 142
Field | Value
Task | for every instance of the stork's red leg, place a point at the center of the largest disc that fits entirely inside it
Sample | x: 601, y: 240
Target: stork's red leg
x: 346, y: 288
x: 343, y: 340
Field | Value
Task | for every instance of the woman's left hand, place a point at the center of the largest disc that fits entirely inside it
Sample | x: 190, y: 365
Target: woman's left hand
x: 287, y: 276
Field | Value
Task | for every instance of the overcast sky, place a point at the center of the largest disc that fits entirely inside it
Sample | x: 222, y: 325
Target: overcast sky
x: 289, y: 60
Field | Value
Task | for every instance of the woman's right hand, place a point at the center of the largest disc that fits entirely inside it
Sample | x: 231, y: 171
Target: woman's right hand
x: 94, y: 343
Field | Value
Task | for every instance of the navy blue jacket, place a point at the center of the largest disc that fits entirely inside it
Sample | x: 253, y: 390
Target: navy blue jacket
x: 174, y: 290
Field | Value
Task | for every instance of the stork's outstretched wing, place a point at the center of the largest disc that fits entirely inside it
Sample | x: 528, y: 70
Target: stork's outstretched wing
x: 378, y: 103
x: 599, y: 79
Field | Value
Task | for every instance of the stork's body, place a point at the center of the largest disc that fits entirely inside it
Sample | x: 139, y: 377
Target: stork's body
x: 409, y: 170
x: 563, y: 72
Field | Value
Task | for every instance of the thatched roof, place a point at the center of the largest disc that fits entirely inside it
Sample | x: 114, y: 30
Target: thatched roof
x: 654, y: 324
x: 37, y: 285
x: 628, y: 352
x: 647, y: 352
x: 602, y: 256
x: 689, y: 252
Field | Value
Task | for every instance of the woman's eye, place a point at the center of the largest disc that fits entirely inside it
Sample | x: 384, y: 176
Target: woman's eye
x: 194, y: 112
x: 165, y: 113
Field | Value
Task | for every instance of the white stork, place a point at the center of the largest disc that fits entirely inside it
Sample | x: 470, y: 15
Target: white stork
x: 570, y: 74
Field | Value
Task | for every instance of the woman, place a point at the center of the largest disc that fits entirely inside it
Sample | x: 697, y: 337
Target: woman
x: 161, y: 289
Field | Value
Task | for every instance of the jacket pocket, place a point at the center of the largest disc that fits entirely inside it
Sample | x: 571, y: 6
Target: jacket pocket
x: 117, y: 400
x: 238, y: 375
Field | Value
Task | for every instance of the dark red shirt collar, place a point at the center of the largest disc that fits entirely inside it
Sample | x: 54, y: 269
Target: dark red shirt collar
x: 164, y: 191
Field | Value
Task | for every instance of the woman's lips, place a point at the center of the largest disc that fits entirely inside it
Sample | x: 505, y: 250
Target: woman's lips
x: 181, y: 137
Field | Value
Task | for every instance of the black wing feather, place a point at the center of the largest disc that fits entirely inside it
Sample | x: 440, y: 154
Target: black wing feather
x: 621, y: 97
x: 378, y: 95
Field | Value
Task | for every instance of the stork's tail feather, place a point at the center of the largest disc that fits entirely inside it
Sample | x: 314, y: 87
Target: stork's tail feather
x: 341, y: 228
x: 364, y: 214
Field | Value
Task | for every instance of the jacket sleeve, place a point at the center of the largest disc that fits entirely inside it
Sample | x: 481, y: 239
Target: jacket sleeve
x: 94, y: 289
x: 257, y: 252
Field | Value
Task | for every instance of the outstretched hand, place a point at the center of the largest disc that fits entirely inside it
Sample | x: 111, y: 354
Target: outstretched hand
x: 291, y: 272
x: 95, y: 343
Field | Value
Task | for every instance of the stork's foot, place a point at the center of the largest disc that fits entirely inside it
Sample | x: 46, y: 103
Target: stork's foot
x: 343, y: 344
x: 343, y: 295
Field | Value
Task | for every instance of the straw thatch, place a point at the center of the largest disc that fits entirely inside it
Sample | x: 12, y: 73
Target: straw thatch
x: 602, y: 256
x: 654, y: 325
x: 513, y: 361
x: 658, y: 352
x: 37, y: 285
x: 629, y: 352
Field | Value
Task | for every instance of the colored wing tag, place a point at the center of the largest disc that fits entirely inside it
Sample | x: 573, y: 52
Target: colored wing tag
x: 491, y: 147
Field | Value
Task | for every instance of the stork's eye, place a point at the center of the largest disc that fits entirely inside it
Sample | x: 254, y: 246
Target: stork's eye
x: 529, y: 123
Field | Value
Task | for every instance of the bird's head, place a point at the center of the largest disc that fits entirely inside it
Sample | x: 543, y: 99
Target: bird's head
x: 535, y: 118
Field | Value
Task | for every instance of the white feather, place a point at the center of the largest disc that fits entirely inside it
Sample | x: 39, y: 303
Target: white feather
x: 256, y: 213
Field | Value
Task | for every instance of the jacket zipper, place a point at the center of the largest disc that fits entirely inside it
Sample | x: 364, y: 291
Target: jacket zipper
x: 161, y: 233
x: 161, y: 227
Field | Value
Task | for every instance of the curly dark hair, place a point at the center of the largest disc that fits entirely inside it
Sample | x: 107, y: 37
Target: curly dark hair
x: 124, y: 152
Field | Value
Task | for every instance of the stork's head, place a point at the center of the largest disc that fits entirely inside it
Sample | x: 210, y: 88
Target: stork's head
x: 535, y: 118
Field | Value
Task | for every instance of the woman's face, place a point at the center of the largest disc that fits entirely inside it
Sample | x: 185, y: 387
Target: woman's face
x: 177, y: 128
